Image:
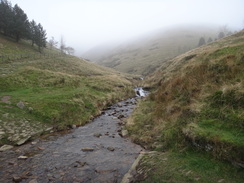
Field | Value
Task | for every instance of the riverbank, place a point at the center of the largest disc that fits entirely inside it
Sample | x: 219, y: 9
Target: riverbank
x: 95, y: 152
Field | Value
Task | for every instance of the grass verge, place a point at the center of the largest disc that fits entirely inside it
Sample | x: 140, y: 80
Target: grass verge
x: 184, y: 167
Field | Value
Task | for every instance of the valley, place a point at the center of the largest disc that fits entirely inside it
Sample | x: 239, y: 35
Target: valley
x: 166, y: 106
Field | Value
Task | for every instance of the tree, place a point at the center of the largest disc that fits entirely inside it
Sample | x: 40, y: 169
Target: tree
x: 201, y: 41
x: 40, y: 37
x: 21, y: 23
x: 6, y: 17
x: 14, y: 23
x: 52, y: 43
x: 32, y: 31
x: 229, y: 33
x: 221, y: 35
x: 62, y: 45
x: 210, y: 40
x: 70, y: 50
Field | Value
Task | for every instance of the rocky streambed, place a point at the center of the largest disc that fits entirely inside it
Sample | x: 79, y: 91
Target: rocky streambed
x: 96, y: 152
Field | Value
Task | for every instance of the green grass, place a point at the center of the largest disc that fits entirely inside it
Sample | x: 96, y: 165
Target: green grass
x: 227, y: 51
x: 57, y: 98
x: 9, y: 46
x: 188, y: 166
x: 220, y: 123
x: 197, y: 103
x: 60, y: 91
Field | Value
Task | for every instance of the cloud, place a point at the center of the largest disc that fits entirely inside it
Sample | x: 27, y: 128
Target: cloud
x: 85, y: 23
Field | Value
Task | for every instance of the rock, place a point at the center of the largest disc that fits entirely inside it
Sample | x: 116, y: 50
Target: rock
x: 22, y: 157
x: 74, y: 136
x: 124, y: 133
x: 2, y: 133
x: 102, y: 113
x: 49, y: 129
x: 221, y: 180
x: 30, y: 109
x: 21, y: 105
x: 22, y: 141
x: 11, y: 162
x: 97, y: 135
x: 40, y: 148
x: 33, y: 143
x: 121, y: 116
x: 17, y: 178
x: 105, y: 171
x: 33, y: 181
x: 138, y: 93
x: 73, y: 126
x: 110, y: 148
x: 6, y: 115
x: 5, y: 99
x: 5, y: 148
x: 87, y: 149
x: 81, y: 163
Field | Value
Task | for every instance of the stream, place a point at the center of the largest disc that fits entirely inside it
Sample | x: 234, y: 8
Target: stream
x: 95, y: 153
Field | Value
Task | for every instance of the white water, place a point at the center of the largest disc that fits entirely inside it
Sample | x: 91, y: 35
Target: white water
x: 140, y: 92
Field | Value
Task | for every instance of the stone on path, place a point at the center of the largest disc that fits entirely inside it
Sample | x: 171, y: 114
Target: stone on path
x: 124, y: 133
x: 33, y: 181
x: 5, y: 148
x: 17, y: 178
x: 111, y: 148
x: 81, y: 163
x: 87, y: 149
x: 97, y: 135
x: 22, y: 157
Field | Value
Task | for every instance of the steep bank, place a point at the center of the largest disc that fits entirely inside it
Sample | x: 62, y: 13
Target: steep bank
x: 197, y: 109
x: 43, y: 93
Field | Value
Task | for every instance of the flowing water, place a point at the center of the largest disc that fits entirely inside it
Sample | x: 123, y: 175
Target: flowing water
x: 95, y: 153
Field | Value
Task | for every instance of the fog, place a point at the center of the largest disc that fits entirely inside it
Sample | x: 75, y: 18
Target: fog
x: 87, y: 23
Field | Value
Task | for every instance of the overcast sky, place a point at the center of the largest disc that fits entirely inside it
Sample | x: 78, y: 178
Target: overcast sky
x: 87, y: 23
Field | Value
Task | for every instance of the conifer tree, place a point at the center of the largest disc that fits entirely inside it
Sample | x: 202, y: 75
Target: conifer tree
x: 32, y: 30
x: 21, y: 23
x: 6, y: 17
x: 14, y: 23
x: 40, y: 37
x: 201, y: 41
x: 221, y: 35
x: 210, y: 40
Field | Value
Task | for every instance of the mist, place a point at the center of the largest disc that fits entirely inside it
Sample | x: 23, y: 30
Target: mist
x: 87, y: 23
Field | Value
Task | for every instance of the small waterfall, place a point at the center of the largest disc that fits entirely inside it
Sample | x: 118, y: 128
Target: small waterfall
x: 140, y: 92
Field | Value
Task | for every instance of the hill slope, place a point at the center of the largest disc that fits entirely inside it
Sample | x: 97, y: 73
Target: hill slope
x: 197, y: 111
x: 145, y: 54
x: 44, y: 92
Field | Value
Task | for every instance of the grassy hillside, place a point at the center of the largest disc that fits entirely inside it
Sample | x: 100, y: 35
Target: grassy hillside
x: 196, y: 113
x: 145, y: 54
x: 41, y: 94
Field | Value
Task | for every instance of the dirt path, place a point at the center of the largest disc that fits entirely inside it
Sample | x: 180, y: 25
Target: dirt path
x: 93, y: 153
